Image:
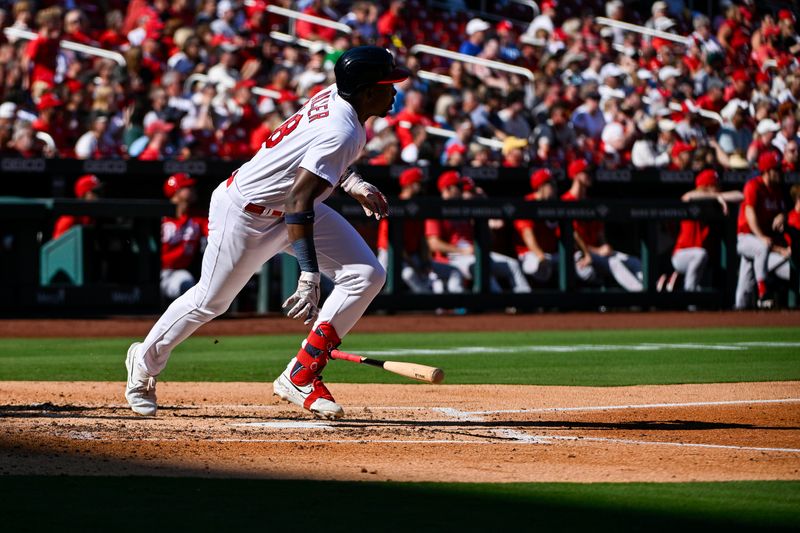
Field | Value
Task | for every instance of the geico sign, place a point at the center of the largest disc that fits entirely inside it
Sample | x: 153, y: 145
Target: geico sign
x: 23, y: 165
x: 105, y: 167
x: 190, y: 167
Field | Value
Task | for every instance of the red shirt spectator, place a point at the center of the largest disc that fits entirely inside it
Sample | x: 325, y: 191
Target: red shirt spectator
x: 315, y: 32
x: 42, y: 52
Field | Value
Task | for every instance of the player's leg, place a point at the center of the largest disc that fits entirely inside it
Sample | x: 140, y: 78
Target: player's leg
x: 590, y: 273
x: 627, y: 271
x: 452, y: 277
x: 746, y: 282
x: 238, y: 245
x: 358, y: 277
x: 757, y: 251
x: 691, y: 262
x: 510, y: 269
x: 778, y: 266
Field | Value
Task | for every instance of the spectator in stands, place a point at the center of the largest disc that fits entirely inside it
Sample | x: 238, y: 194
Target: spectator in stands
x: 41, y: 53
x: 506, y: 36
x: 793, y: 219
x: 476, y: 35
x: 596, y: 260
x: 690, y: 254
x: 362, y: 17
x: 760, y: 227
x: 87, y: 188
x: 413, y: 113
x: 94, y: 144
x: 788, y: 132
x: 416, y: 151
x: 451, y: 242
x: 418, y: 272
x: 183, y: 236
x: 512, y: 121
x: 8, y: 113
x: 158, y: 143
x: 765, y: 134
x: 545, y: 21
x: 645, y: 153
x: 391, y: 21
x: 681, y: 156
x: 316, y: 32
x: 587, y: 118
x: 390, y: 153
x: 791, y: 157
x: 537, y: 240
x: 559, y: 133
x: 50, y: 120
x: 735, y: 136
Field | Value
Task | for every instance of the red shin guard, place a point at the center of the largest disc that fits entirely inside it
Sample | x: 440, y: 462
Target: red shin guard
x: 313, y: 357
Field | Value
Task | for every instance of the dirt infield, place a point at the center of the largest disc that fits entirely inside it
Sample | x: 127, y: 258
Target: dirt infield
x: 486, y: 433
x: 139, y: 326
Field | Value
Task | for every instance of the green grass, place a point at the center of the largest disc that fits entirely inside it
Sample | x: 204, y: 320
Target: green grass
x: 261, y: 358
x: 144, y: 504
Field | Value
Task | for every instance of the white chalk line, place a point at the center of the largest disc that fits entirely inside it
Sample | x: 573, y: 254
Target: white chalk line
x: 524, y: 438
x: 471, y: 415
x: 575, y: 348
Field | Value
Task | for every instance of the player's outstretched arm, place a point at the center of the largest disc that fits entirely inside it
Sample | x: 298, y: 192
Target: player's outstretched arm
x: 299, y: 205
x: 371, y: 199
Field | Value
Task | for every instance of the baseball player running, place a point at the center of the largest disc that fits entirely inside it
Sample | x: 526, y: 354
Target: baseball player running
x: 273, y: 204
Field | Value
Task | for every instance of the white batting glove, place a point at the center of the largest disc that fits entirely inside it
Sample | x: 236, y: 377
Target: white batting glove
x: 304, y: 303
x: 371, y: 199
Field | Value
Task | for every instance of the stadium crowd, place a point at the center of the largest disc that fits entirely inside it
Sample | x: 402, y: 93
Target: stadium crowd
x: 205, y: 79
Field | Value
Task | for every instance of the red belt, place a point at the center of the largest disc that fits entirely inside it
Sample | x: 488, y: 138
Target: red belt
x: 255, y: 208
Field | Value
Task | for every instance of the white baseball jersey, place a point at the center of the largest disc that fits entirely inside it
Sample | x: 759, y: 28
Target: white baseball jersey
x: 323, y: 137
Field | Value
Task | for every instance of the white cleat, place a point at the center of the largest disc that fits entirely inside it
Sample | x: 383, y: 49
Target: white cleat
x: 314, y: 397
x: 140, y: 391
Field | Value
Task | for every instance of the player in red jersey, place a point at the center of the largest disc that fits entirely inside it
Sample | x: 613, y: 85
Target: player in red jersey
x: 760, y: 233
x: 183, y: 237
x: 86, y: 188
x: 596, y: 259
x: 418, y: 271
x: 690, y: 255
x: 537, y: 246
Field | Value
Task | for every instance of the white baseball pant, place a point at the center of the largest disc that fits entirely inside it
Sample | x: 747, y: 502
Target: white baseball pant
x: 691, y: 263
x: 239, y: 243
x: 441, y: 276
x: 175, y: 282
x: 540, y: 270
x: 502, y: 266
x: 626, y: 270
x: 756, y: 263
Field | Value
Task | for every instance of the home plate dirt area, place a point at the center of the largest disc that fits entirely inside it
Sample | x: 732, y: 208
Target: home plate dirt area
x: 490, y: 433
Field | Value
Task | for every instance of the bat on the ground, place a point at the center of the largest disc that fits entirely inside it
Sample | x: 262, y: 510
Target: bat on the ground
x: 428, y: 374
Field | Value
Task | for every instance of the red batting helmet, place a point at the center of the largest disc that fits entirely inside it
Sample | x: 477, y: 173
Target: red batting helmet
x: 177, y: 182
x: 86, y: 183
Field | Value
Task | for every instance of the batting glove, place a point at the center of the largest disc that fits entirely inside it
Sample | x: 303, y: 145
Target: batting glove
x: 304, y: 302
x: 371, y: 199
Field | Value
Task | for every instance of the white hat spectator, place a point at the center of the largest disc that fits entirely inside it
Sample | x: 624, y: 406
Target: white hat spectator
x: 379, y: 124
x: 668, y: 72
x: 613, y: 6
x: 476, y: 25
x: 224, y: 6
x: 731, y: 107
x: 663, y: 23
x: 611, y: 70
x: 666, y: 124
x: 644, y: 74
x: 658, y: 7
x: 8, y: 110
x: 767, y: 125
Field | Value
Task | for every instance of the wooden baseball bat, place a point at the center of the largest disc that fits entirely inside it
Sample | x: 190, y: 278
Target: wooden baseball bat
x: 428, y: 374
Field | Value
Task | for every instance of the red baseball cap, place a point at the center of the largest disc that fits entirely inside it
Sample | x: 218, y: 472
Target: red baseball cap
x: 707, y: 178
x: 86, y: 183
x: 576, y: 167
x: 540, y: 177
x: 455, y: 149
x: 548, y: 4
x: 769, y: 160
x: 177, y: 182
x: 448, y: 179
x: 762, y: 77
x: 740, y: 75
x: 679, y: 147
x: 785, y: 14
x: 505, y: 25
x: 47, y: 101
x: 158, y: 126
x: 410, y: 176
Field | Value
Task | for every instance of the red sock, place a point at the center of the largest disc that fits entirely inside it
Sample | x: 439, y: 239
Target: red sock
x: 762, y: 289
x: 313, y: 357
